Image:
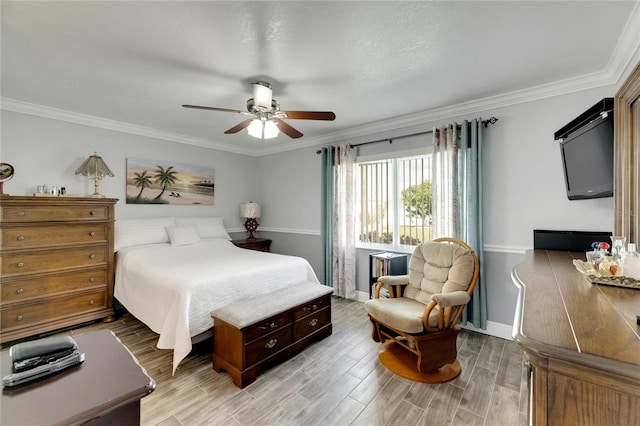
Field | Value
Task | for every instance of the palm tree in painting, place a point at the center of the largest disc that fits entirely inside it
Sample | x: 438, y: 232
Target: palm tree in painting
x: 164, y: 177
x: 142, y: 181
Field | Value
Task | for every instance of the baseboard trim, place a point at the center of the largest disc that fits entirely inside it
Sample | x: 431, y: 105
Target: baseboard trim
x: 495, y: 329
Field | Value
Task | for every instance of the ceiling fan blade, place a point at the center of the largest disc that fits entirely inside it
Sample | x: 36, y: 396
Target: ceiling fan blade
x: 287, y: 129
x: 238, y: 127
x: 310, y: 115
x: 211, y: 108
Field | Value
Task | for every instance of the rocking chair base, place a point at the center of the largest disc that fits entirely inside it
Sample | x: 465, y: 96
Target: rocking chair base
x: 403, y: 363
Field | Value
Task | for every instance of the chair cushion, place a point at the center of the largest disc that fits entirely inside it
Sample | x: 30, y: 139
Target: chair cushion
x: 438, y: 267
x: 400, y: 313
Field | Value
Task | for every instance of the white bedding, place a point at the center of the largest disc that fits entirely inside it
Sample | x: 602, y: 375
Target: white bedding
x: 173, y: 290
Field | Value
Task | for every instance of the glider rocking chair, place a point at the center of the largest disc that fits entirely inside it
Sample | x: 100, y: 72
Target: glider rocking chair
x: 420, y: 317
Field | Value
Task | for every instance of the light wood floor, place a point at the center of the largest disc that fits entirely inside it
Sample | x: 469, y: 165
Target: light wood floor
x: 337, y: 381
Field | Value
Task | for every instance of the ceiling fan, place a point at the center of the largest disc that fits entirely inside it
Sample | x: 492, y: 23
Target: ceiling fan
x: 267, y: 118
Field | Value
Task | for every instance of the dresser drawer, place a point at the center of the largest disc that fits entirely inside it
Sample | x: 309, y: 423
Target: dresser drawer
x: 309, y: 324
x: 36, y: 236
x: 313, y: 306
x: 51, y: 260
x: 50, y: 309
x: 52, y: 284
x: 267, y: 346
x: 261, y: 328
x: 53, y: 213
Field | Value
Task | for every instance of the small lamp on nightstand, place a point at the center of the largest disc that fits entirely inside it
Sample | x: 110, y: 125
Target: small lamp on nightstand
x: 250, y: 211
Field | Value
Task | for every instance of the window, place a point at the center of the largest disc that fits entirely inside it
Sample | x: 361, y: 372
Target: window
x: 394, y: 201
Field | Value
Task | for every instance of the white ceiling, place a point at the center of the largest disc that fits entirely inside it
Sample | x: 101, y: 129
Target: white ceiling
x: 131, y: 65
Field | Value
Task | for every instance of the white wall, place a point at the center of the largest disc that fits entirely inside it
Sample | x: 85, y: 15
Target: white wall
x: 45, y: 151
x: 524, y: 186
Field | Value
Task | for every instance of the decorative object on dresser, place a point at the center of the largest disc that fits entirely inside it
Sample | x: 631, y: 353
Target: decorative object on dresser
x: 57, y: 263
x: 96, y: 167
x: 250, y: 211
x: 251, y: 334
x: 6, y: 173
x: 259, y: 244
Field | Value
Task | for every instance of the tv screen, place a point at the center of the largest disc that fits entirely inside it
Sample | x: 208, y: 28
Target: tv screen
x: 587, y: 158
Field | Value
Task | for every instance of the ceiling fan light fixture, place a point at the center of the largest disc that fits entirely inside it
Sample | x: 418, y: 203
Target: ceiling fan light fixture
x: 263, y: 129
x: 262, y: 95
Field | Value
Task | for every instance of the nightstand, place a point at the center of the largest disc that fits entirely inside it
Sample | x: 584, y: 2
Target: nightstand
x: 258, y: 244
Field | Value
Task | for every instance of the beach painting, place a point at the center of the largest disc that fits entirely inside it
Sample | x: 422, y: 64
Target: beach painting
x: 159, y: 182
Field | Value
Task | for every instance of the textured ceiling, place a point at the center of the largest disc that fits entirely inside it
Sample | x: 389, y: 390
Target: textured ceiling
x: 369, y: 62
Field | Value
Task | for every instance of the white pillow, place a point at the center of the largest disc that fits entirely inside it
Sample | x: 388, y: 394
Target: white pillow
x: 183, y: 235
x: 207, y: 227
x: 139, y: 231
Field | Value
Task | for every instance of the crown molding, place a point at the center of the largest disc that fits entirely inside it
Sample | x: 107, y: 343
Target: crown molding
x: 104, y: 123
x: 627, y: 48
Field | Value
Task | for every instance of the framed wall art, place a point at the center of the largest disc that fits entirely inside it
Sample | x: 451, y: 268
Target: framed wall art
x: 159, y: 182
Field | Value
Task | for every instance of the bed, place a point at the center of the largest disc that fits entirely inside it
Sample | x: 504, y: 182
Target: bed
x: 172, y: 272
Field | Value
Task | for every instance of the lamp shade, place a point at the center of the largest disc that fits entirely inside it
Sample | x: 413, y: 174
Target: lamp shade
x: 250, y: 210
x: 94, y: 166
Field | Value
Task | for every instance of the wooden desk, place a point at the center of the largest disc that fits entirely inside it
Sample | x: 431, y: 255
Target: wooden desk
x: 582, y: 342
x: 105, y: 389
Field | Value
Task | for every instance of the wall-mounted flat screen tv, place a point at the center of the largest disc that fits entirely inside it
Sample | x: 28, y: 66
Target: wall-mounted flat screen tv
x: 587, y: 159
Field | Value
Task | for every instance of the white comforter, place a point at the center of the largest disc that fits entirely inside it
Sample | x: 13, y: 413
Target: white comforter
x: 173, y: 290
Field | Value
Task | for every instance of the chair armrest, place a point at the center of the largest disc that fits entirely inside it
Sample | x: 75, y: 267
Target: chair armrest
x: 390, y: 280
x: 394, y: 279
x: 455, y: 298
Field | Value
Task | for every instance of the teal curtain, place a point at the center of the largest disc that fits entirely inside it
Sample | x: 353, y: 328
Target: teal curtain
x: 327, y: 193
x: 457, y: 200
x: 470, y: 202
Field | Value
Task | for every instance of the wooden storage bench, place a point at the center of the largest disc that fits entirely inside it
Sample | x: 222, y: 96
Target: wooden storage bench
x: 251, y: 335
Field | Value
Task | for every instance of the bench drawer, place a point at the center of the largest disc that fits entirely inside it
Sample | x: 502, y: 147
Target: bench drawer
x: 267, y: 346
x: 261, y: 328
x: 313, y: 306
x: 309, y: 324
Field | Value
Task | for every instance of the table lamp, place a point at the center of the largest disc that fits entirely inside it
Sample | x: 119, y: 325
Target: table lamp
x: 95, y: 166
x: 251, y: 212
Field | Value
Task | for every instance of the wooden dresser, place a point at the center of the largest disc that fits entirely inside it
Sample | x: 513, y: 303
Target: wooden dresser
x: 582, y: 342
x: 56, y: 263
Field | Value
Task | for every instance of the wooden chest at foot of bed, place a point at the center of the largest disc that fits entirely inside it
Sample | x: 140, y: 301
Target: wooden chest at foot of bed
x: 251, y: 335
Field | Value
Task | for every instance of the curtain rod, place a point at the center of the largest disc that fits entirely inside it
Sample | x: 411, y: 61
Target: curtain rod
x: 486, y: 123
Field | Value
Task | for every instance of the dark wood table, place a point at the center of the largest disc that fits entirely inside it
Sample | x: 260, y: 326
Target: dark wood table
x: 105, y: 389
x: 581, y: 340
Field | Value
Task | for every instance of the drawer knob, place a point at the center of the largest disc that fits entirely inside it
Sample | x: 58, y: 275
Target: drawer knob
x: 92, y: 256
x: 20, y: 264
x: 271, y: 343
x: 92, y: 213
x: 19, y: 318
x: 313, y: 322
x: 92, y: 279
x: 91, y: 302
x: 92, y: 233
x: 21, y: 213
x: 20, y: 238
x: 20, y: 291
